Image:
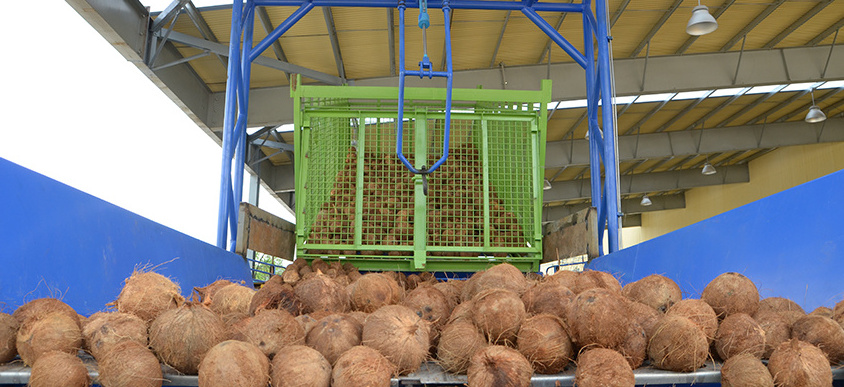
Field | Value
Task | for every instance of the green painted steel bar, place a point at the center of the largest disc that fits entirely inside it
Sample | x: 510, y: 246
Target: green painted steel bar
x: 420, y: 212
x: 418, y: 93
x: 525, y: 117
x: 361, y: 151
x: 485, y: 166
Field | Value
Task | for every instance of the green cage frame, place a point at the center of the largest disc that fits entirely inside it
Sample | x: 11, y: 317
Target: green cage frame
x: 492, y: 192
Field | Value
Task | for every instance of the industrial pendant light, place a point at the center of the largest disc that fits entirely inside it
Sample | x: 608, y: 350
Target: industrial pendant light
x: 646, y: 201
x: 701, y: 22
x: 547, y: 185
x: 708, y: 169
x: 815, y: 114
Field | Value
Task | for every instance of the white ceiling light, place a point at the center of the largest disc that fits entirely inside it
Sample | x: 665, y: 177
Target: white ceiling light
x: 646, y: 201
x: 815, y: 114
x: 547, y: 185
x: 701, y: 22
x: 708, y: 169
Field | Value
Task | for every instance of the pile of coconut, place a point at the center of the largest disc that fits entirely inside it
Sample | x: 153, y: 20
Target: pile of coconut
x: 327, y: 324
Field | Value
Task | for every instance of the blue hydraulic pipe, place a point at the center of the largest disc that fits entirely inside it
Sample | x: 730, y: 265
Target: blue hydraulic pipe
x: 228, y: 122
x: 240, y: 128
x: 555, y: 36
x: 610, y: 135
x: 305, y: 7
x: 453, y: 4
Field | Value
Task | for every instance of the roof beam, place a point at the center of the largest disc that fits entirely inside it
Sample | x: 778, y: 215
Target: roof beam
x: 618, y: 13
x: 683, y: 113
x: 629, y: 206
x: 547, y: 49
x: 267, y: 24
x: 753, y: 23
x: 715, y: 111
x: 798, y: 23
x: 656, y: 28
x: 648, y: 116
x: 805, y: 108
x: 749, y: 107
x: 823, y: 35
x: 167, y: 15
x: 391, y: 40
x: 764, y: 116
x: 692, y: 39
x: 500, y: 38
x: 335, y: 44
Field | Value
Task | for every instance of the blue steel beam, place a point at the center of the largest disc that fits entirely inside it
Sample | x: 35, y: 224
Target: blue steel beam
x: 454, y: 4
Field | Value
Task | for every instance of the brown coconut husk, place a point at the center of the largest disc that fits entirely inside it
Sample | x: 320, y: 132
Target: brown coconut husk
x: 838, y: 311
x: 275, y: 296
x: 333, y: 335
x: 273, y: 329
x: 678, y: 344
x: 8, y: 336
x: 655, y: 291
x: 148, y: 294
x: 548, y: 297
x: 400, y: 335
x: 373, y: 291
x: 359, y: 316
x: 459, y: 341
x: 353, y: 276
x: 497, y: 365
x: 745, y: 370
x: 739, y: 333
x: 107, y: 329
x: 429, y: 304
x: 236, y: 326
x: 362, y: 366
x: 646, y: 317
x: 822, y: 332
x: 129, y: 364
x: 591, y: 279
x: 413, y: 281
x: 300, y: 366
x: 779, y: 304
x: 206, y: 293
x: 798, y: 363
x: 601, y: 367
x: 823, y: 312
x: 499, y: 314
x: 469, y: 287
x: 290, y: 276
x: 451, y: 291
x: 599, y: 316
x: 462, y: 311
x: 181, y: 337
x: 51, y: 332
x: 544, y: 341
x: 38, y: 308
x: 731, y: 293
x: 232, y: 299
x: 59, y: 369
x: 700, y: 313
x: 319, y: 265
x: 321, y: 293
x: 792, y: 316
x: 566, y: 278
x: 635, y: 346
x: 234, y: 363
x: 306, y: 322
x: 501, y: 276
x: 776, y: 327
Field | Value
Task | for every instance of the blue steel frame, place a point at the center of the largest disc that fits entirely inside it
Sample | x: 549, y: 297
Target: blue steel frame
x: 599, y: 84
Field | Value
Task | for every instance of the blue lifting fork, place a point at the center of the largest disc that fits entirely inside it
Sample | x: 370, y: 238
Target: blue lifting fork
x: 425, y: 70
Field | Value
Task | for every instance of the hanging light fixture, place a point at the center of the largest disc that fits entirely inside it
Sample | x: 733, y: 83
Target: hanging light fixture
x: 701, y: 22
x: 708, y: 169
x: 815, y: 114
x: 646, y: 201
x: 547, y: 185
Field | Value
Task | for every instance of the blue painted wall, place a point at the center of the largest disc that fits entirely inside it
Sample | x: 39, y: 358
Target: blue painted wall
x: 791, y: 244
x: 56, y: 240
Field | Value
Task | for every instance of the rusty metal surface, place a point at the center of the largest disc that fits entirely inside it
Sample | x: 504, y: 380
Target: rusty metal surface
x: 572, y: 236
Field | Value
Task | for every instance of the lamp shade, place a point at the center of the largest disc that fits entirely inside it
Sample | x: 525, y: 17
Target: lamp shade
x: 547, y: 185
x: 701, y: 22
x: 646, y: 201
x: 708, y: 169
x: 815, y: 115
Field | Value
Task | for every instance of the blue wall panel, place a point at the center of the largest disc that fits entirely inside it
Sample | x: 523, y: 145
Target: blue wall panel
x: 56, y: 240
x: 790, y: 244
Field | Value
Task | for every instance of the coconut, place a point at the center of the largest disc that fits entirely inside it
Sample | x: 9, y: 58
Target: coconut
x: 739, y: 333
x: 306, y: 322
x: 362, y: 366
x: 599, y: 316
x: 792, y: 316
x: 601, y: 367
x: 429, y: 304
x: 502, y: 276
x: 838, y: 312
x: 655, y: 291
x: 700, y: 313
x: 275, y: 296
x: 459, y: 340
x: 469, y: 288
x: 319, y: 265
x: 232, y: 299
x: 273, y: 329
x: 462, y: 311
x: 354, y: 276
x: 548, y: 297
x: 181, y: 337
x: 745, y: 370
x: 634, y: 348
x: 798, y: 363
x: 322, y: 293
x: 451, y: 291
x: 776, y: 327
x: 129, y: 364
x: 498, y: 313
x: 646, y: 317
x: 678, y: 344
x: 566, y: 278
x: 373, y: 291
x: 206, y: 293
x: 823, y: 312
x: 59, y: 369
x: 148, y: 294
x: 52, y: 332
x: 779, y: 304
x: 822, y: 332
x: 303, y: 271
x: 300, y: 366
x: 413, y: 281
x: 8, y: 336
x: 234, y: 363
x: 359, y: 316
x: 40, y: 307
x: 333, y: 335
x: 545, y: 343
x: 731, y: 293
x: 400, y: 335
x: 591, y: 279
x: 107, y: 329
x: 497, y: 365
x: 290, y: 276
x: 236, y: 326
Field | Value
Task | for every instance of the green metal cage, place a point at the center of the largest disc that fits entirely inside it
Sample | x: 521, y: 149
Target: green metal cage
x: 357, y: 202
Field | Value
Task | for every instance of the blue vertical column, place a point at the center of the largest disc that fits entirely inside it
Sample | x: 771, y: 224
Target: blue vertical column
x: 595, y: 141
x: 233, y: 84
x: 243, y: 112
